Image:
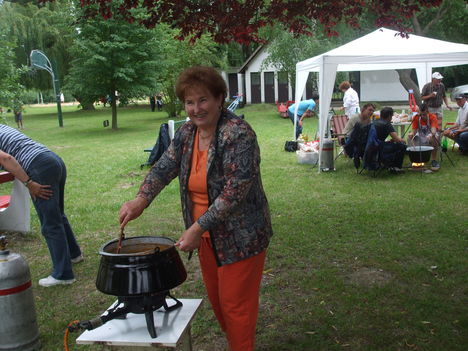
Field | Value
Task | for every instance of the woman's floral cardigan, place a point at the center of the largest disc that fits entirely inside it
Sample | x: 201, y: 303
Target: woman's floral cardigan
x: 238, y: 217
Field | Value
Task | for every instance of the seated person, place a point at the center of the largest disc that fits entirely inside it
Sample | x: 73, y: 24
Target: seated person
x: 364, y: 118
x: 393, y: 150
x: 461, y: 124
x: 424, y: 132
x: 304, y: 111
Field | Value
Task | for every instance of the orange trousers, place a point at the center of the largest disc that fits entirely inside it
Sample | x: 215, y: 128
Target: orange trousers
x: 233, y: 291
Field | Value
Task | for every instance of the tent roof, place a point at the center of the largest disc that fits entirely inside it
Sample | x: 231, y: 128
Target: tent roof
x: 386, y: 49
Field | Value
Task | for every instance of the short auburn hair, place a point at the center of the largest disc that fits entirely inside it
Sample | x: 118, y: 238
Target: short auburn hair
x: 344, y: 85
x: 201, y: 76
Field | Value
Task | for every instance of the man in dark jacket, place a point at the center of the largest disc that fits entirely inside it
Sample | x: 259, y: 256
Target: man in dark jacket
x: 393, y: 151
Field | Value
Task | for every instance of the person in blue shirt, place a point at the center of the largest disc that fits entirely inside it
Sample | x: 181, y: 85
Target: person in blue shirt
x: 304, y: 111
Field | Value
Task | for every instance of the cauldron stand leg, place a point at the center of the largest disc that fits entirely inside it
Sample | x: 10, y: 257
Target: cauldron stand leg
x: 173, y: 307
x: 150, y: 324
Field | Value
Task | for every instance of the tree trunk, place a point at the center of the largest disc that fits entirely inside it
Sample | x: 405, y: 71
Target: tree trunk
x: 409, y: 84
x: 404, y: 74
x: 114, y: 110
x: 86, y: 104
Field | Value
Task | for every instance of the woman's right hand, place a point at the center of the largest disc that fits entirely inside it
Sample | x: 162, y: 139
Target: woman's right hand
x: 131, y: 210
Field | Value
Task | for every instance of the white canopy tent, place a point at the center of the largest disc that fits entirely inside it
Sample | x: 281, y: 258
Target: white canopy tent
x: 383, y: 49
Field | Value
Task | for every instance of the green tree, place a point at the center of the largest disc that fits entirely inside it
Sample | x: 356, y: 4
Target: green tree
x: 10, y: 88
x: 48, y: 28
x: 285, y: 49
x: 445, y: 22
x: 448, y: 22
x: 178, y: 55
x: 113, y: 58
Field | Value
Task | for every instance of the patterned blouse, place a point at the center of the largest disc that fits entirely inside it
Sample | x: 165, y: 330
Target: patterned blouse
x: 238, y: 217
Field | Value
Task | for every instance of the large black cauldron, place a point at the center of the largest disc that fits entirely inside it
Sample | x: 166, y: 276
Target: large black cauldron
x: 140, y: 275
x: 144, y: 266
x: 419, y: 154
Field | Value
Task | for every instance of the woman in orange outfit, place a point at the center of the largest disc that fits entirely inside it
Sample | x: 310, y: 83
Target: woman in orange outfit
x: 217, y: 159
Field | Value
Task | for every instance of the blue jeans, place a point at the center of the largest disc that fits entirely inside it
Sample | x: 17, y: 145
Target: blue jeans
x: 48, y: 169
x: 298, y: 128
x: 462, y: 141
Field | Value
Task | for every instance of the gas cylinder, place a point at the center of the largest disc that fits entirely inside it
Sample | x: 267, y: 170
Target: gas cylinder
x: 327, y: 160
x: 18, y: 326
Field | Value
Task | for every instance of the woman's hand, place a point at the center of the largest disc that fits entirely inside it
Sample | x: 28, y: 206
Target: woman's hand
x: 190, y: 239
x: 39, y: 191
x: 131, y: 210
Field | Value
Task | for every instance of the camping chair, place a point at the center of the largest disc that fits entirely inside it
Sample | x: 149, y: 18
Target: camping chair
x: 233, y: 105
x: 162, y: 143
x: 174, y: 125
x: 338, y: 122
x: 447, y: 125
x: 442, y: 150
x: 365, y: 149
x: 165, y: 135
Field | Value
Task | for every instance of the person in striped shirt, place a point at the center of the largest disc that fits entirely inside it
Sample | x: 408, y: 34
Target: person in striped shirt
x: 44, y: 174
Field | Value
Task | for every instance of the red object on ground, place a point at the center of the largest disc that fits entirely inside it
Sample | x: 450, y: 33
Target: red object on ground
x: 283, y: 108
x: 5, y: 199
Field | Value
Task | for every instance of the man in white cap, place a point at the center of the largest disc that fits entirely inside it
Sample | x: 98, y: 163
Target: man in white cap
x: 433, y: 94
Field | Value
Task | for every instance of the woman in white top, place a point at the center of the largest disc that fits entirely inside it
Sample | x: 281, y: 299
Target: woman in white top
x: 350, y: 99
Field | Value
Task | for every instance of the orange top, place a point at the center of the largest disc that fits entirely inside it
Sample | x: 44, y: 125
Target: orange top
x: 197, y: 185
x: 432, y: 121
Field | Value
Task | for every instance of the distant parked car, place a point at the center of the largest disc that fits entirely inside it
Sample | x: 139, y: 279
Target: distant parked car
x: 461, y: 89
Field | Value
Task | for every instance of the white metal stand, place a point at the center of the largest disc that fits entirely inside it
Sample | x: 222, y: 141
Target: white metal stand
x: 131, y: 334
x: 16, y: 217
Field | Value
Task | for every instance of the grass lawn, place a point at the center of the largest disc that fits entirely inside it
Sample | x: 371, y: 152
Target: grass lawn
x: 356, y: 262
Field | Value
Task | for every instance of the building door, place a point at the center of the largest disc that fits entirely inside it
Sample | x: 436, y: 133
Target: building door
x: 255, y: 88
x: 283, y: 95
x: 311, y: 86
x: 233, y: 86
x: 269, y: 78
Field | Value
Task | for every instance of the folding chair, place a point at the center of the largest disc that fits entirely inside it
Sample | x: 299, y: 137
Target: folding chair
x: 161, y: 145
x: 338, y: 122
x: 165, y: 136
x: 450, y: 124
x: 233, y: 105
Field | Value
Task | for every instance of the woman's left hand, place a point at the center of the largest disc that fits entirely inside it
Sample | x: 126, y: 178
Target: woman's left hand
x: 190, y: 239
x: 39, y: 191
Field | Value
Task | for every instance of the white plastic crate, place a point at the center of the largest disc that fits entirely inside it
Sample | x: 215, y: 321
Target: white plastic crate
x: 310, y: 158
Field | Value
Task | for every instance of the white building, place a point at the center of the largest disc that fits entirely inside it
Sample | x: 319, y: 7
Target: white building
x: 271, y: 85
